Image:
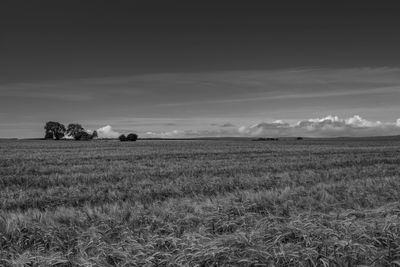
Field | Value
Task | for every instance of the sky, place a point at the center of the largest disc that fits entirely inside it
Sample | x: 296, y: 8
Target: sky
x: 200, y: 68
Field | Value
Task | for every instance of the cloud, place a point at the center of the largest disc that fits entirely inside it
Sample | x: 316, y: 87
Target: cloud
x: 227, y: 125
x: 224, y: 125
x: 251, y: 87
x: 107, y: 132
x: 167, y: 134
x: 329, y: 126
x: 48, y: 91
x: 192, y: 133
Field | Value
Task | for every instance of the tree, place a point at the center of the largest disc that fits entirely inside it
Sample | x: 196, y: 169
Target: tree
x: 83, y: 136
x: 49, y: 135
x: 75, y: 130
x: 94, y: 134
x: 122, y: 138
x: 132, y: 137
x: 56, y: 129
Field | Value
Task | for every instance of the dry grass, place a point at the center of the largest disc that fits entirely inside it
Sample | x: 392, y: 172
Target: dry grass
x: 200, y: 203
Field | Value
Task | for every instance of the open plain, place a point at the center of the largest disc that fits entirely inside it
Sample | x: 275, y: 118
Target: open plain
x: 200, y: 203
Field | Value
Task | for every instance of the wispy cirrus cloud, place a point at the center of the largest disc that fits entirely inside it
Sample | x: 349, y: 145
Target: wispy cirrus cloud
x: 227, y: 125
x: 44, y: 91
x: 174, y: 89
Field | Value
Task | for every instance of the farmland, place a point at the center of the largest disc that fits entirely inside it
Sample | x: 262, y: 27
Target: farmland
x: 200, y: 203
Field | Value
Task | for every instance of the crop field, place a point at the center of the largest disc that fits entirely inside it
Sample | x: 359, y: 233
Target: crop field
x: 200, y: 203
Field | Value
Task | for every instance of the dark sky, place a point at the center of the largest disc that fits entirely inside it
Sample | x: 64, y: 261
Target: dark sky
x: 44, y: 40
x: 165, y: 66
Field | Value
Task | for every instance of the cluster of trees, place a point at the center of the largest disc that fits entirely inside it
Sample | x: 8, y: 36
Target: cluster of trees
x: 56, y: 130
x: 79, y: 133
x: 130, y: 137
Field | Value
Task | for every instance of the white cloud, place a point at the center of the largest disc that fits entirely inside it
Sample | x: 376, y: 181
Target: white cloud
x: 360, y: 122
x: 168, y: 134
x: 107, y: 132
x: 329, y: 126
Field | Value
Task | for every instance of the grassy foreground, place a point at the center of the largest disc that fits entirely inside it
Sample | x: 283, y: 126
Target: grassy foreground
x: 200, y: 203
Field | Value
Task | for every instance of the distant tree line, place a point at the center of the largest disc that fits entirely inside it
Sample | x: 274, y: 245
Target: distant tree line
x: 266, y: 139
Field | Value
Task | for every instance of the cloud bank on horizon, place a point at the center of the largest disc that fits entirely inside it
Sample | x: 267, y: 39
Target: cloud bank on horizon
x: 329, y: 126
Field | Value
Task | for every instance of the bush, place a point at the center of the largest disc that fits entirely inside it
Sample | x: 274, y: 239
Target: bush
x: 122, y: 138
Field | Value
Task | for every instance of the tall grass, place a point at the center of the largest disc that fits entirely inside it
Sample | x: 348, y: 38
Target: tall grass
x: 200, y: 203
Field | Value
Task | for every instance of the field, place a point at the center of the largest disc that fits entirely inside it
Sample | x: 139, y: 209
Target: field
x: 200, y: 203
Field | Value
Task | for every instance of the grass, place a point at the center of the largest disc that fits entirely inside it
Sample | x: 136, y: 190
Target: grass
x: 200, y: 203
